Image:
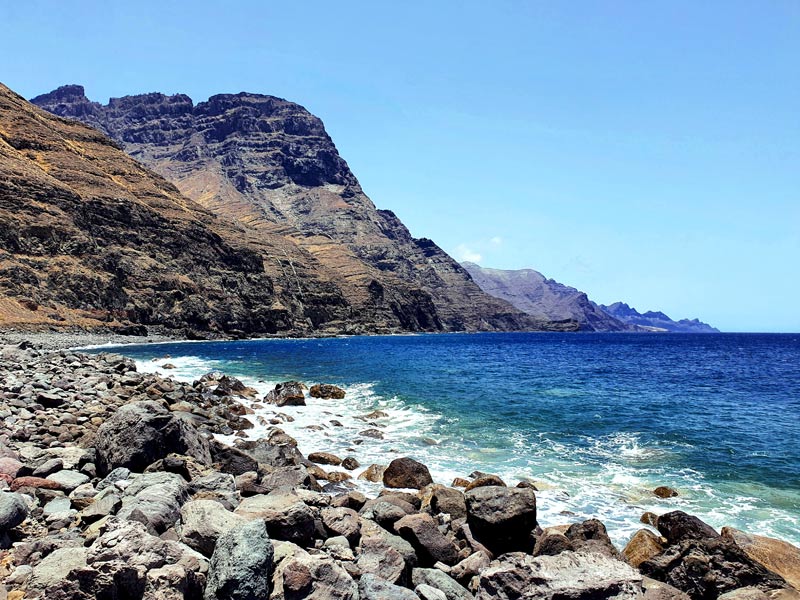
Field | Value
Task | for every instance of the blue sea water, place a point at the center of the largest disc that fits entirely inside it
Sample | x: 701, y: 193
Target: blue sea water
x: 596, y: 420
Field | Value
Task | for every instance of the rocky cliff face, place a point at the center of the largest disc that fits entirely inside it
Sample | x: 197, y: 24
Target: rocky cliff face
x: 88, y: 236
x: 269, y: 165
x: 533, y: 293
x: 656, y: 320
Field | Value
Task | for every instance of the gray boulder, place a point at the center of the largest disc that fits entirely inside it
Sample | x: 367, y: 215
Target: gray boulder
x: 158, y: 496
x: 286, y: 515
x: 242, y: 563
x: 371, y: 587
x: 13, y: 510
x: 502, y: 518
x: 141, y: 433
x: 441, y: 581
x: 424, y: 535
x: 568, y: 575
x: 203, y: 522
x: 379, y: 557
x: 313, y: 578
x: 289, y: 393
x: 342, y: 521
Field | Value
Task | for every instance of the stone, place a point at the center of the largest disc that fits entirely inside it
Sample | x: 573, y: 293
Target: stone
x: 56, y: 566
x: 485, y: 480
x: 501, y: 518
x: 326, y: 391
x: 324, y: 458
x: 708, y: 567
x: 591, y: 536
x: 437, y: 498
x: 441, y: 581
x: 313, y: 578
x: 664, y: 491
x: 231, y: 460
x: 35, y: 483
x: 289, y: 477
x: 157, y: 496
x: 350, y: 463
x: 552, y: 542
x: 776, y: 555
x: 371, y: 587
x: 118, y: 474
x: 57, y: 506
x: 373, y: 473
x: 13, y: 511
x: 104, y: 504
x: 566, y: 575
x: 421, y: 531
x: 406, y: 473
x: 427, y: 592
x: 342, y: 521
x: 10, y: 466
x: 643, y: 546
x: 460, y: 482
x: 658, y: 590
x: 141, y: 433
x: 203, y: 522
x: 470, y: 567
x: 677, y: 526
x: 242, y: 564
x: 286, y: 515
x: 288, y: 393
x: 378, y: 556
x: 48, y: 467
x: 68, y: 480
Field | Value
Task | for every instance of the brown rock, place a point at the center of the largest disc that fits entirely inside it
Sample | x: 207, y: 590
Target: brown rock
x: 324, y: 458
x: 373, y: 473
x: 421, y: 531
x: 664, y: 491
x: 643, y: 546
x: 485, y: 480
x: 778, y: 556
x: 326, y: 391
x: 406, y: 473
x: 34, y: 482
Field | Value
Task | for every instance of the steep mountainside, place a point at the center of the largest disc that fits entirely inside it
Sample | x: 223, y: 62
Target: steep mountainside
x: 533, y: 293
x: 89, y: 236
x: 269, y: 165
x: 656, y: 320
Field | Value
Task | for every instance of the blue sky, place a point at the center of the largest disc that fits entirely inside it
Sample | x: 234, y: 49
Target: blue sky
x: 640, y: 151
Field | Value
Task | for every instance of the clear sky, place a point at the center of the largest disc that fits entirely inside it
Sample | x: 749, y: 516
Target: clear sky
x: 640, y: 151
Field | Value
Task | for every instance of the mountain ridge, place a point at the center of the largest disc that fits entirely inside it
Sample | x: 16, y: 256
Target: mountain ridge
x: 269, y: 165
x: 656, y: 320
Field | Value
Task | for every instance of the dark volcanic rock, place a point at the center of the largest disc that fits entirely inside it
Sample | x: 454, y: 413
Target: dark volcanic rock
x: 326, y: 391
x: 141, y: 433
x: 289, y: 393
x: 500, y: 518
x: 269, y: 163
x: 241, y: 566
x: 406, y: 473
x: 677, y: 526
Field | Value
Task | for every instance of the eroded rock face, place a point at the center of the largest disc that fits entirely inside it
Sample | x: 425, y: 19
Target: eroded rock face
x: 141, y: 433
x: 271, y: 165
x: 517, y: 576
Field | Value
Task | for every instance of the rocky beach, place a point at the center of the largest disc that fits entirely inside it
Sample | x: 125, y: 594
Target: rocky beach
x: 118, y: 484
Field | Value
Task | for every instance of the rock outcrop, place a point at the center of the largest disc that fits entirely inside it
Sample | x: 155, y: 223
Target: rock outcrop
x: 269, y: 165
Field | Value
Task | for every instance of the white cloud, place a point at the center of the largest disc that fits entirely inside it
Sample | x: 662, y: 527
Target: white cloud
x: 464, y: 253
x: 496, y: 240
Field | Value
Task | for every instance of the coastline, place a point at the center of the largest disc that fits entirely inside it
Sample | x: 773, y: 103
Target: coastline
x: 283, y: 466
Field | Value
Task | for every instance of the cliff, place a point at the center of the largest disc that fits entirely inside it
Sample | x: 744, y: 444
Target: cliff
x: 543, y: 298
x: 269, y: 165
x: 90, y: 237
x: 655, y: 320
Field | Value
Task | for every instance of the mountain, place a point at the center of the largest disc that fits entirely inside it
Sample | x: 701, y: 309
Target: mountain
x: 269, y: 166
x: 656, y: 320
x: 533, y: 293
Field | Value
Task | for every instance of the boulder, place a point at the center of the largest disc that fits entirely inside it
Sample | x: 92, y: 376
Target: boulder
x: 552, y: 542
x: 373, y: 473
x: 664, y: 491
x: 441, y: 581
x: 438, y: 498
x: 203, y: 522
x: 591, y: 536
x: 326, y: 391
x: 708, y: 567
x: 502, y: 518
x: 778, y: 556
x: 13, y: 510
x: 242, y: 564
x: 157, y: 496
x: 677, y: 526
x: 56, y: 567
x: 325, y: 458
x: 141, y: 433
x: 428, y: 592
x: 471, y: 566
x: 568, y: 575
x: 286, y: 515
x: 342, y: 521
x: 313, y: 578
x: 68, y: 480
x: 288, y: 393
x: 484, y: 480
x: 406, y: 473
x: 371, y: 587
x: 350, y: 463
x: 10, y: 466
x: 231, y: 460
x: 289, y: 477
x: 430, y: 544
x: 643, y: 546
x: 378, y: 556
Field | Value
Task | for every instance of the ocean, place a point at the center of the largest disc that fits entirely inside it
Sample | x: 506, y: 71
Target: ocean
x: 596, y: 421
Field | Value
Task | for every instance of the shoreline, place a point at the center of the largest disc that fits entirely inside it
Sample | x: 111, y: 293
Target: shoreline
x: 439, y: 525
